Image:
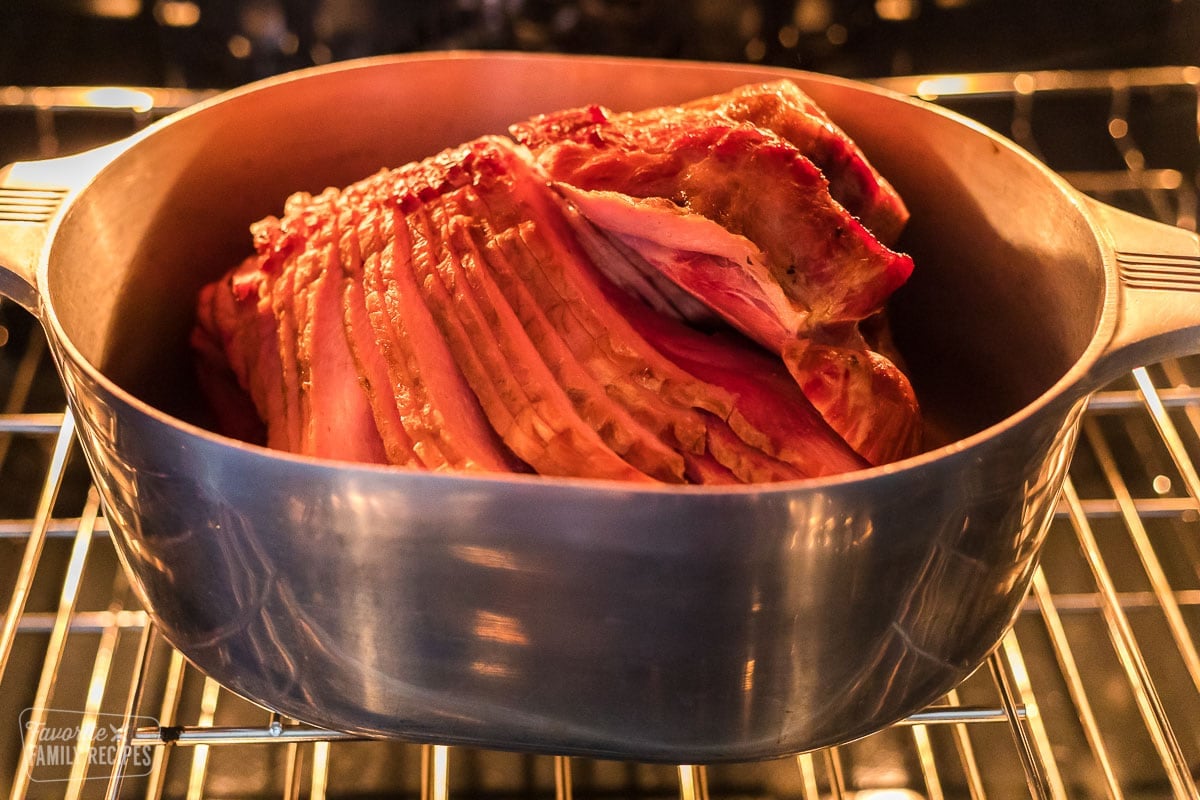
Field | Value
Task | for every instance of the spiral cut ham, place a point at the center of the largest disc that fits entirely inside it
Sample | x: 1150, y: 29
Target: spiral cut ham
x: 672, y: 295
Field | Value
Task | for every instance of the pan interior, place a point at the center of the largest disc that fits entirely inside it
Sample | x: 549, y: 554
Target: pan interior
x: 1006, y: 294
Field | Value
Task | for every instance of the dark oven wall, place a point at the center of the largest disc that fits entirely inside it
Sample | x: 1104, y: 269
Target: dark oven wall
x: 221, y: 43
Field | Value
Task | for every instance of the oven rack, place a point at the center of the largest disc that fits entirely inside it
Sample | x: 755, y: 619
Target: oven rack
x: 1094, y: 693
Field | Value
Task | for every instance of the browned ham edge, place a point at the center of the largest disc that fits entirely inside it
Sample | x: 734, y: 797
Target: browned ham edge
x: 863, y: 390
x: 336, y: 417
x: 782, y: 108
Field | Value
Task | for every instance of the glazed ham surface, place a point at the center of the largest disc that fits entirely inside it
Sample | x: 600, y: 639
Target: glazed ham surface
x: 671, y: 295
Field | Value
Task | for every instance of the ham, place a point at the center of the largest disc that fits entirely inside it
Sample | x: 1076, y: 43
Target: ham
x: 665, y: 296
x: 789, y: 265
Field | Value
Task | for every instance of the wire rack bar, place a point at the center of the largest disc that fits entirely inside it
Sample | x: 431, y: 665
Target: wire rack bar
x: 1132, y: 660
x: 54, y: 651
x: 37, y: 539
x: 101, y: 99
x: 1164, y: 597
x: 1035, y: 772
x: 435, y: 772
x: 193, y: 735
x: 22, y: 385
x: 1128, y: 400
x: 563, y: 789
x: 1025, y: 83
x: 1075, y: 685
x: 32, y: 424
x: 966, y: 753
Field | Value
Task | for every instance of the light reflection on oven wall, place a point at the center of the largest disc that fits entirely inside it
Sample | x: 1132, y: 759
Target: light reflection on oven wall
x: 220, y: 43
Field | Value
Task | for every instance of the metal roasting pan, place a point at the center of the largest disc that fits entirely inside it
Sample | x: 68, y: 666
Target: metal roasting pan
x: 582, y: 617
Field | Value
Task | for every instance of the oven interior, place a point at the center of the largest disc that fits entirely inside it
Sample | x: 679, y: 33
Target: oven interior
x: 1095, y: 692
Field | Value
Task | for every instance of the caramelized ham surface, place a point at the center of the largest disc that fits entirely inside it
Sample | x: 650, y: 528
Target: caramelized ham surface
x: 670, y: 296
x: 782, y: 108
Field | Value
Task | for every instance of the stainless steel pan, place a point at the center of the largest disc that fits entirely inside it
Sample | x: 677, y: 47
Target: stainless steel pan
x: 689, y: 625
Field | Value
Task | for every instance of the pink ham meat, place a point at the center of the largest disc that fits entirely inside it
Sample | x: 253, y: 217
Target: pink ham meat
x: 489, y: 309
x: 725, y: 272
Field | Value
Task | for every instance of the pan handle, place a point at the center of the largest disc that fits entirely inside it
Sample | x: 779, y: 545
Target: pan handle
x: 32, y: 193
x: 1158, y: 267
